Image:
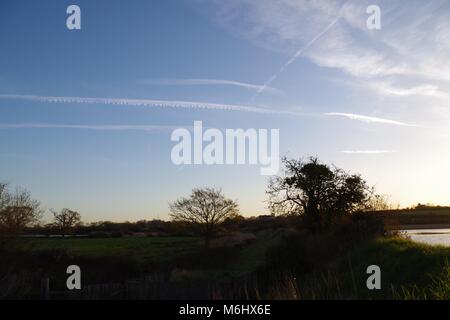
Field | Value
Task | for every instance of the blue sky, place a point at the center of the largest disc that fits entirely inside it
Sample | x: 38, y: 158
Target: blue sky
x: 371, y: 101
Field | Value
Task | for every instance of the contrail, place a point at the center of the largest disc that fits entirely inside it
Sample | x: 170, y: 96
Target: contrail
x: 368, y: 151
x: 368, y: 119
x: 193, y: 105
x: 88, y: 127
x: 147, y: 103
x: 207, y: 82
x: 296, y: 55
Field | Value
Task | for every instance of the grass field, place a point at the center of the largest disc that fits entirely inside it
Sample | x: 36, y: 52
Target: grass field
x: 164, y: 253
x: 409, y: 270
x: 145, y: 250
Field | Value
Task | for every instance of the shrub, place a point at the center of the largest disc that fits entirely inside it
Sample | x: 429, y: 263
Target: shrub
x: 358, y: 228
x: 208, y: 258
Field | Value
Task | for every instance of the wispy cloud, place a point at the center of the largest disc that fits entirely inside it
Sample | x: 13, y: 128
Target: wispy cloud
x: 411, y: 49
x: 294, y: 57
x: 428, y: 90
x: 209, y: 82
x: 369, y: 119
x: 368, y: 151
x: 148, y: 103
x: 88, y: 127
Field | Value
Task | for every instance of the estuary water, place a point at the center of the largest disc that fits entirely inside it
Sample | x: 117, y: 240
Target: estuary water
x: 430, y: 236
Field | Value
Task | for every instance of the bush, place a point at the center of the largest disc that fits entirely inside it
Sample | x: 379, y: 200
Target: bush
x: 358, y: 228
x: 208, y: 258
x: 302, y: 253
x: 306, y: 252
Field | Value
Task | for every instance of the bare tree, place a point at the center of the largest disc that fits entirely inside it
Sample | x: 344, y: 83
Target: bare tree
x: 66, y: 220
x: 379, y: 202
x: 4, y: 195
x: 207, y: 208
x: 17, y: 210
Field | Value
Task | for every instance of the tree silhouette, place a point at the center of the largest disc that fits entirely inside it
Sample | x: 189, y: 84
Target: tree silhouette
x: 206, y: 208
x: 316, y: 191
x: 17, y: 210
x: 66, y: 220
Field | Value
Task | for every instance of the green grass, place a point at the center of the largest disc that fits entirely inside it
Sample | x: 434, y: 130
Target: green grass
x: 408, y: 270
x: 144, y: 250
x: 403, y: 260
x: 157, y: 251
x: 249, y: 258
x: 254, y: 255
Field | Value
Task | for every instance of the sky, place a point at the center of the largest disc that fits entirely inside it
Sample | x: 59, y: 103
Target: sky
x: 86, y: 115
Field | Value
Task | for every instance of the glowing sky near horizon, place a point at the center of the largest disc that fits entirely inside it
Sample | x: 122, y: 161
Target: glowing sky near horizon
x: 86, y: 116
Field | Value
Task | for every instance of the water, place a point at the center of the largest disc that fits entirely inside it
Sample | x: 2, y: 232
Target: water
x: 430, y: 236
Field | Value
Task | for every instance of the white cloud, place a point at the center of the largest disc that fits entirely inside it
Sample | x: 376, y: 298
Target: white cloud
x: 413, y: 44
x: 386, y: 88
x: 295, y: 57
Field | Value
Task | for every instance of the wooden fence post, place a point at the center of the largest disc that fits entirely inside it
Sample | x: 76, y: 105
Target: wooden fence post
x: 45, y: 285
